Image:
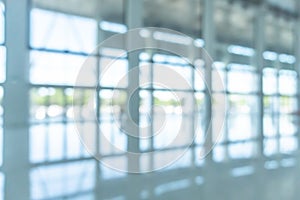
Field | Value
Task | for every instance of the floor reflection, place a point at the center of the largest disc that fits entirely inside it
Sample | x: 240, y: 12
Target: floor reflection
x: 61, y: 168
x: 244, y: 179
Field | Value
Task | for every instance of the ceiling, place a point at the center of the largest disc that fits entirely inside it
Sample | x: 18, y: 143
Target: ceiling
x: 234, y: 19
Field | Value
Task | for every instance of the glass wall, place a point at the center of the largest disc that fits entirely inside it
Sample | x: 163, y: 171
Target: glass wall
x: 281, y: 109
x: 59, y: 44
x: 280, y: 89
x: 60, y: 41
x: 239, y: 138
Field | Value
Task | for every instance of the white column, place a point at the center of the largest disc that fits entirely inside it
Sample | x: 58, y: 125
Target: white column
x: 16, y: 102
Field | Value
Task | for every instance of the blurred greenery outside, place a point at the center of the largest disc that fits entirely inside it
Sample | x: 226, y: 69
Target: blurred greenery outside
x: 61, y: 98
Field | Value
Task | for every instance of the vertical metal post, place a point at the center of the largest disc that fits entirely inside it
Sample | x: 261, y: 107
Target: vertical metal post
x: 259, y: 46
x: 133, y: 13
x: 259, y: 35
x: 297, y: 64
x: 297, y: 68
x: 209, y: 38
x: 191, y: 57
x: 151, y: 65
x: 133, y: 19
x: 98, y: 191
x: 227, y: 104
x: 16, y: 102
x: 276, y: 107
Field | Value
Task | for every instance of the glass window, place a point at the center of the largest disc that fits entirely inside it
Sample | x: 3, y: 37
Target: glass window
x: 288, y: 144
x: 280, y: 106
x: 2, y: 41
x: 287, y: 125
x: 112, y: 121
x: 288, y: 105
x: 199, y: 75
x: 2, y: 64
x: 242, y: 150
x: 218, y: 77
x: 242, y: 118
x: 2, y: 22
x: 1, y: 123
x: 113, y: 72
x: 179, y: 77
x: 270, y: 81
x: 241, y: 79
x: 271, y: 146
x: 270, y: 125
x: 59, y: 45
x: 287, y: 82
x: 146, y: 122
x: 172, y: 119
x: 54, y: 68
x: 54, y: 30
x: 200, y: 118
x: 2, y: 79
